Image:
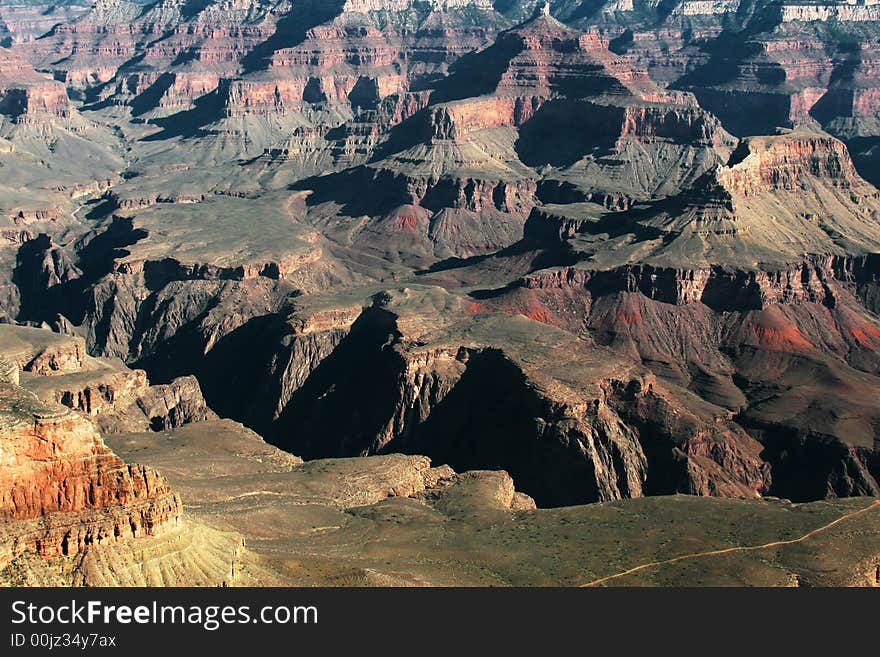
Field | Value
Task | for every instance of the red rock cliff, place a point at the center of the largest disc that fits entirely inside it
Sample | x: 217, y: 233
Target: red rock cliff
x: 62, y: 489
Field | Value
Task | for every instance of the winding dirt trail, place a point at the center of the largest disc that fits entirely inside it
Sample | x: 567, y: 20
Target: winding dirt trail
x: 745, y: 548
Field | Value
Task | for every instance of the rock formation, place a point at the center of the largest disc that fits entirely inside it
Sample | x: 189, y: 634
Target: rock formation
x: 57, y: 370
x: 616, y: 251
x: 22, y: 21
x: 63, y: 490
x: 26, y: 96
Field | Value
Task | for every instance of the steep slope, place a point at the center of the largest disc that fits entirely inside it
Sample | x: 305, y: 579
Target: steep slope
x: 51, y: 158
x: 71, y: 511
x: 396, y: 520
x: 482, y: 391
x: 799, y: 62
x: 57, y: 370
x: 25, y: 21
x: 777, y: 198
x: 461, y: 175
x: 64, y: 490
x: 366, y: 229
x: 757, y: 291
x: 49, y: 149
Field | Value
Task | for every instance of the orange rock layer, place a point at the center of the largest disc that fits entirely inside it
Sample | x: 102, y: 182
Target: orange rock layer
x: 62, y: 489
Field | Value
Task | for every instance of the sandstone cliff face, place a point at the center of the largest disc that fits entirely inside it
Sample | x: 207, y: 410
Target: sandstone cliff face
x: 63, y: 490
x: 125, y: 401
x: 41, y: 352
x: 760, y: 165
x: 748, y: 342
x: 26, y: 96
x: 720, y: 288
x: 543, y: 55
x: 101, y: 39
x: 787, y: 71
x: 479, y: 407
x: 91, y: 49
x: 166, y: 56
x: 457, y: 119
x: 252, y: 97
x: 460, y: 176
x: 128, y: 320
x: 171, y: 405
x: 686, y: 124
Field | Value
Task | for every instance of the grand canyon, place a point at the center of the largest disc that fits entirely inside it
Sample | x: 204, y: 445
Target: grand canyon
x: 439, y: 292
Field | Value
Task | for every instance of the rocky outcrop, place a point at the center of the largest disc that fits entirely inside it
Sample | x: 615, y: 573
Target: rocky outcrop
x: 57, y: 369
x: 776, y: 66
x: 596, y: 451
x: 544, y: 57
x: 253, y: 468
x: 260, y: 97
x: 63, y: 490
x: 91, y: 49
x: 460, y: 176
x: 170, y: 405
x: 633, y: 297
x: 41, y: 352
x: 124, y: 400
x: 716, y: 458
x: 562, y: 445
x: 27, y: 97
x: 750, y: 342
x: 457, y: 119
x: 718, y: 287
x: 776, y: 199
x: 462, y: 525
x: 845, y: 12
x: 727, y: 330
x: 788, y: 163
x: 170, y: 269
x: 260, y: 59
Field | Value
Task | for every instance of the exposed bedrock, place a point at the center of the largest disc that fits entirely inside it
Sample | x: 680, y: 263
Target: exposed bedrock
x: 810, y: 465
x: 125, y: 401
x: 424, y: 214
x: 457, y: 119
x: 746, y: 113
x: 733, y: 364
x: 57, y: 370
x: 22, y: 22
x: 793, y: 353
x: 126, y: 307
x: 28, y: 97
x: 433, y: 193
x: 722, y: 288
x: 599, y: 129
x: 64, y: 490
x: 128, y: 318
x: 353, y: 385
x: 51, y: 283
x: 342, y: 381
x: 787, y: 162
x: 565, y: 451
